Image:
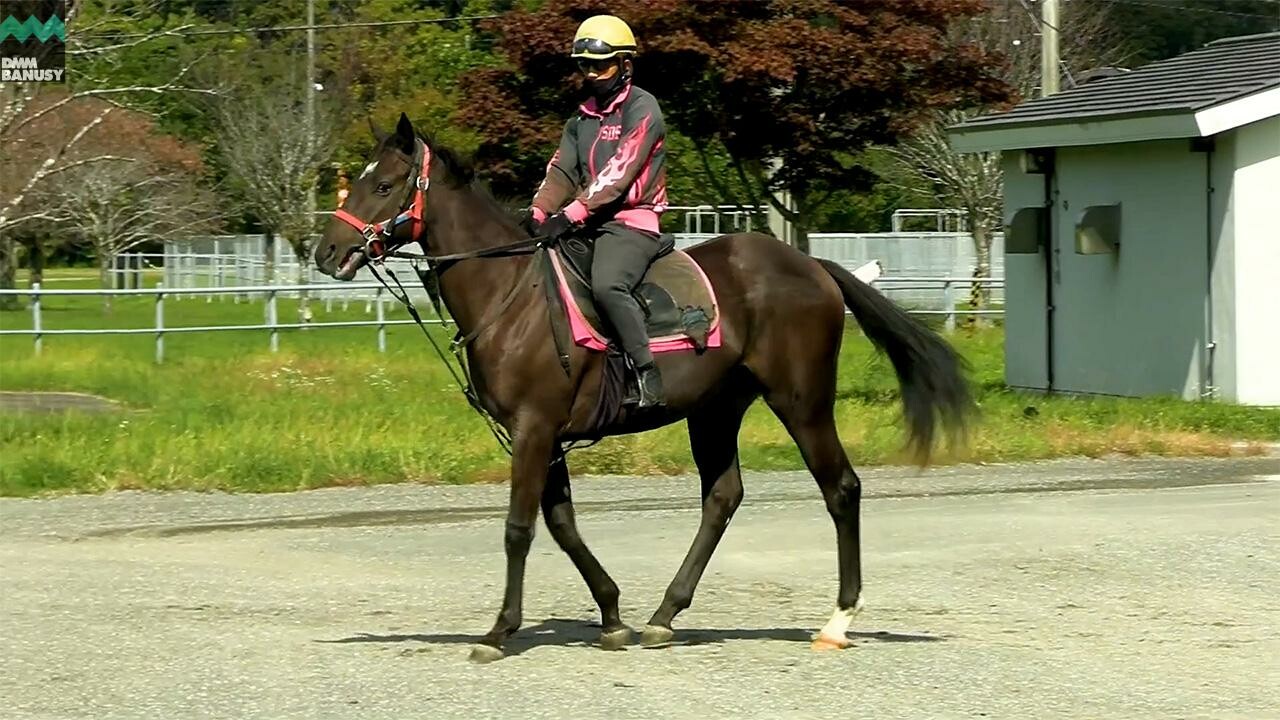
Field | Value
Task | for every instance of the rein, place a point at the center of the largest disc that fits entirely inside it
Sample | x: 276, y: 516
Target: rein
x: 378, y: 247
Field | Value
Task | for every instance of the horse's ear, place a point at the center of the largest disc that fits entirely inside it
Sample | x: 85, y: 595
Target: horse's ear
x: 405, y: 136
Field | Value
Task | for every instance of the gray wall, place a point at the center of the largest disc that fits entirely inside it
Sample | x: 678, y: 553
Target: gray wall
x: 1024, y: 310
x: 1129, y: 323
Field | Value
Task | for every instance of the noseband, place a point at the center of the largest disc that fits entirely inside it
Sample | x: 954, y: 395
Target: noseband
x: 378, y: 236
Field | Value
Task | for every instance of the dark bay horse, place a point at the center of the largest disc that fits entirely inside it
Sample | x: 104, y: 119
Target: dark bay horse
x: 782, y: 318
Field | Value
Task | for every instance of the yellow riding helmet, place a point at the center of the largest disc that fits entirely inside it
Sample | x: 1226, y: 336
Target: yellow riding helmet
x: 601, y: 37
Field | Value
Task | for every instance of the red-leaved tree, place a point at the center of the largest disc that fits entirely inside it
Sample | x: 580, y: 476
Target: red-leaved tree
x: 793, y: 89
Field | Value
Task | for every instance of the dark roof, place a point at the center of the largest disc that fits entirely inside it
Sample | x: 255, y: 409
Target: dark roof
x: 1223, y: 70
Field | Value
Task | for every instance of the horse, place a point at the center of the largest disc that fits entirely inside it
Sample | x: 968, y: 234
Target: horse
x: 782, y: 323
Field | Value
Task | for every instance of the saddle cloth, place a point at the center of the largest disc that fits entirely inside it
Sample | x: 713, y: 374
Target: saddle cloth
x: 676, y: 297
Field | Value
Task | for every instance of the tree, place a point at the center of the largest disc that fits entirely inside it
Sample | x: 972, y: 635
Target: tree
x: 792, y: 89
x: 974, y: 182
x: 44, y: 128
x: 274, y: 161
x: 1153, y: 31
x: 114, y: 207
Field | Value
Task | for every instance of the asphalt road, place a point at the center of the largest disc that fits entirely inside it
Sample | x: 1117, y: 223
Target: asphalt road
x: 1079, y: 589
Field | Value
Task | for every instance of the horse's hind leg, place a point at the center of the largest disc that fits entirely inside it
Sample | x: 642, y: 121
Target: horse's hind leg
x: 557, y: 510
x: 713, y: 437
x: 810, y: 420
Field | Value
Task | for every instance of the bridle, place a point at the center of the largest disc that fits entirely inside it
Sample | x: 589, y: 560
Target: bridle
x: 379, y: 245
x: 378, y: 236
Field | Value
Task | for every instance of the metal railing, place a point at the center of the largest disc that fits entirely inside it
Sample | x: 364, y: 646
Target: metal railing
x: 273, y: 326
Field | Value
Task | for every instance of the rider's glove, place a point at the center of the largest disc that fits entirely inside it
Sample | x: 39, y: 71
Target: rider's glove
x: 556, y: 227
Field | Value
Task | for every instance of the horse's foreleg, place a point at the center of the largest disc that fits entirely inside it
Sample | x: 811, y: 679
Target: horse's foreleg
x: 557, y: 511
x: 531, y: 454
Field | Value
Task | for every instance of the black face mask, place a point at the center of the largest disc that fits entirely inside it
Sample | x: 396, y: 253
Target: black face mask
x: 604, y: 90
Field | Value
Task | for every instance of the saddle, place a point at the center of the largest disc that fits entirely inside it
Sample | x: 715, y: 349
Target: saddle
x: 680, y: 313
x: 677, y: 300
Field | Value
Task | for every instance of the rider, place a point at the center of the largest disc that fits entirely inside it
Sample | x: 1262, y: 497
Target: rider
x: 607, y: 183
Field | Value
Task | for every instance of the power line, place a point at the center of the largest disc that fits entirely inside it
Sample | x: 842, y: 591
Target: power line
x: 1036, y: 18
x: 289, y: 28
x: 1192, y: 8
x: 1062, y: 64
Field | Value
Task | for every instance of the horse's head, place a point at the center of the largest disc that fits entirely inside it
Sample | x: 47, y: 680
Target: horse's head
x: 386, y: 207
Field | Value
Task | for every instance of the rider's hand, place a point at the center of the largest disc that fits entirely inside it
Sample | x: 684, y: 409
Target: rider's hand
x: 527, y: 221
x: 556, y: 227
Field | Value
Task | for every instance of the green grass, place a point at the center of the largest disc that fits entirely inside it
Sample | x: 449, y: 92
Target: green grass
x: 225, y: 413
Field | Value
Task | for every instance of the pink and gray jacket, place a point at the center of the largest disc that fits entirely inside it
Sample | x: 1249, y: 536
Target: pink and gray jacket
x: 611, y: 163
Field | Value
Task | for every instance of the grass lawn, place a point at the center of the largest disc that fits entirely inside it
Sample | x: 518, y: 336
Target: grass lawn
x: 225, y: 413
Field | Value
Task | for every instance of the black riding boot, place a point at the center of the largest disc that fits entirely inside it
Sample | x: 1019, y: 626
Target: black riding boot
x: 622, y: 255
x: 650, y: 381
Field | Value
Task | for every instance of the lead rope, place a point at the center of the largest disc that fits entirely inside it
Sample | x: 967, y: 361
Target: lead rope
x: 461, y: 375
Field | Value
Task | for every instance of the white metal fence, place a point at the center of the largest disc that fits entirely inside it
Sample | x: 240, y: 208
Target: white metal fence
x: 240, y: 260
x: 938, y: 257
x: 951, y: 289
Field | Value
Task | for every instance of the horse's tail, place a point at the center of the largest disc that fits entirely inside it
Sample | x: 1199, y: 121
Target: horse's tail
x: 930, y: 372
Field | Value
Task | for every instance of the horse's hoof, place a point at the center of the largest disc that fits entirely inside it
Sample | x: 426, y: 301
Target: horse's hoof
x: 825, y: 642
x: 656, y: 636
x: 615, y: 639
x: 485, y: 654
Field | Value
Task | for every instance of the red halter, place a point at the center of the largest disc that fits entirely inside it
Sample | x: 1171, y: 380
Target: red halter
x: 377, y: 236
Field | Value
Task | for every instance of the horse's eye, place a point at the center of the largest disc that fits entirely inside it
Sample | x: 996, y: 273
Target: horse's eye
x: 384, y: 188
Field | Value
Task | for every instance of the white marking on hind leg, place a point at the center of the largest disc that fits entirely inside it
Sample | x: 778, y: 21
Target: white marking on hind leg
x: 833, y: 634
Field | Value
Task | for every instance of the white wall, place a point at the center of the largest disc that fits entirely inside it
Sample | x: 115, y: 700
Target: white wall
x: 1223, y: 304
x: 1256, y: 215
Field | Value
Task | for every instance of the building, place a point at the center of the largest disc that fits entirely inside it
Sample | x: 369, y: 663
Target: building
x: 1142, y: 247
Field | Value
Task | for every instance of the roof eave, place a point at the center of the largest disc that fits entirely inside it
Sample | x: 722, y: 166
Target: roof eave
x: 1065, y: 132
x: 1239, y: 111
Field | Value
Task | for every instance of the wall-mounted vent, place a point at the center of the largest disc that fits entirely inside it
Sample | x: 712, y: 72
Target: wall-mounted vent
x: 1025, y: 232
x: 1098, y: 230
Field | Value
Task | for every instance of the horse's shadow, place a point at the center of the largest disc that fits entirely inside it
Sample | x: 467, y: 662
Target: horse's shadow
x: 564, y: 632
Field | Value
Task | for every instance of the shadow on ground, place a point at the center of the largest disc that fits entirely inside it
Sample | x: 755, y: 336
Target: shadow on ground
x: 562, y: 632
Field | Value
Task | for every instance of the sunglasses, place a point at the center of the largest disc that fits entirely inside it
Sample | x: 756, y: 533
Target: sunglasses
x: 587, y: 65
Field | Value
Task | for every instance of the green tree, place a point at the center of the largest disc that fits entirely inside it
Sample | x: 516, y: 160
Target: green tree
x: 793, y: 90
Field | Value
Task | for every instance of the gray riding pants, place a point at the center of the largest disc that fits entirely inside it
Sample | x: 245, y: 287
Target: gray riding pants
x: 622, y: 255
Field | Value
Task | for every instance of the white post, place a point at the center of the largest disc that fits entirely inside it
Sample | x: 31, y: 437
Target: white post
x: 382, y: 318
x: 222, y: 278
x: 160, y: 326
x: 271, y: 320
x: 949, y: 299
x: 35, y: 316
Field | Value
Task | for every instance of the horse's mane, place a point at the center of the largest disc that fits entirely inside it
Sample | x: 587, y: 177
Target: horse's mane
x: 462, y: 176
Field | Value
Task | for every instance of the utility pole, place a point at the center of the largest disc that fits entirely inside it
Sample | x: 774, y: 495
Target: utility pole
x: 311, y: 135
x: 1049, y: 72
x: 311, y: 99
